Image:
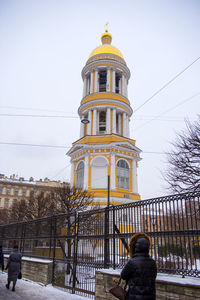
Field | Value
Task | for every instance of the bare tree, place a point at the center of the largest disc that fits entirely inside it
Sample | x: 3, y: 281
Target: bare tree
x: 4, y: 216
x: 183, y: 173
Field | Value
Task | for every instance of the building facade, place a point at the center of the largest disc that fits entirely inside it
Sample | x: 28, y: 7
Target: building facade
x: 13, y: 189
x: 105, y: 152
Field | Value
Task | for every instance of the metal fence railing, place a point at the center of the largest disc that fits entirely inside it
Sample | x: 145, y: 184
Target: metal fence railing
x: 81, y: 243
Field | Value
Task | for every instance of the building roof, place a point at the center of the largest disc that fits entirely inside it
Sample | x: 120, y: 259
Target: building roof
x: 106, y: 47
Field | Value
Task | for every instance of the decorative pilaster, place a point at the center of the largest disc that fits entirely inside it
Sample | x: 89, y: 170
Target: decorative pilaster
x: 82, y: 128
x: 108, y: 120
x: 91, y: 82
x: 96, y: 85
x: 85, y: 182
x: 134, y: 176
x: 84, y: 87
x: 124, y: 124
x: 89, y: 124
x: 113, y: 81
x: 112, y: 172
x: 114, y: 123
x: 108, y: 80
x: 94, y: 122
x: 72, y: 174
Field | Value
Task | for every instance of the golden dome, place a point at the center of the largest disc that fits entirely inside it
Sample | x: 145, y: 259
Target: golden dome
x: 106, y: 47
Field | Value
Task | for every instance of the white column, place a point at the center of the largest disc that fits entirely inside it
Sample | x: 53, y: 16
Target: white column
x: 134, y: 176
x: 108, y: 80
x: 82, y: 128
x: 85, y: 182
x: 91, y: 82
x: 97, y: 128
x: 108, y: 121
x: 96, y: 83
x: 89, y: 124
x: 124, y: 124
x: 84, y: 87
x: 94, y: 122
x: 120, y: 85
x: 119, y: 123
x: 114, y: 123
x: 126, y: 88
x: 72, y: 175
x: 88, y: 85
x: 128, y: 128
x: 113, y: 81
x: 123, y: 85
x: 112, y: 172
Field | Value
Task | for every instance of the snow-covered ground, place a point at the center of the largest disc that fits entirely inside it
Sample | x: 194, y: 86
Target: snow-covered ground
x: 29, y: 290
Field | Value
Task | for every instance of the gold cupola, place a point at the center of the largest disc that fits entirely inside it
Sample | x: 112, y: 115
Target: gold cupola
x: 106, y: 48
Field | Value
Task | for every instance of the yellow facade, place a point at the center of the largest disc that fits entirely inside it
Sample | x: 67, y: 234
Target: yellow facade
x: 105, y: 149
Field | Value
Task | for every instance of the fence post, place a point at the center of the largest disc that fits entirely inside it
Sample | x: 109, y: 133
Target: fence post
x: 106, y: 239
x: 76, y: 227
x: 54, y: 248
x: 113, y: 237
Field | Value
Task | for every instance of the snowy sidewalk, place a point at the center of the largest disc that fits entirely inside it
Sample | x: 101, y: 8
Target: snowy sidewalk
x: 29, y: 290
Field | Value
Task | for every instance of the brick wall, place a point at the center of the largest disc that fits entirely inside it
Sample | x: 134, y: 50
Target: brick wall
x: 36, y: 270
x: 167, y: 290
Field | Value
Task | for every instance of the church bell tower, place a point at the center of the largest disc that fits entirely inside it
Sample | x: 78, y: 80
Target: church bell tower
x: 105, y: 152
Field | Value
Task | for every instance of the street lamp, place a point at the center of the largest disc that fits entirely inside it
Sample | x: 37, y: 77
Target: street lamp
x: 85, y: 121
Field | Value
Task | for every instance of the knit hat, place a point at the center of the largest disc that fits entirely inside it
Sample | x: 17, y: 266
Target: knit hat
x: 134, y: 239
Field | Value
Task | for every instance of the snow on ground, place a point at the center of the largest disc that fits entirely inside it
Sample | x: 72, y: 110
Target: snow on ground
x: 29, y: 290
x: 162, y: 276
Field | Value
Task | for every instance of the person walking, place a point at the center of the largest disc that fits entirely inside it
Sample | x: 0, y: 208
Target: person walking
x: 14, y: 267
x: 1, y: 258
x: 140, y: 271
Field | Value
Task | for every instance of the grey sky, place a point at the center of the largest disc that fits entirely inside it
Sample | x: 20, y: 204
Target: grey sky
x: 43, y: 48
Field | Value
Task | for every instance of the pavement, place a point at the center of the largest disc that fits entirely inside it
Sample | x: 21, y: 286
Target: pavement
x: 29, y: 290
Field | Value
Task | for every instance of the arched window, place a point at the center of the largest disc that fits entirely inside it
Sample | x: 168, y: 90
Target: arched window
x: 122, y: 174
x: 99, y: 177
x: 80, y: 175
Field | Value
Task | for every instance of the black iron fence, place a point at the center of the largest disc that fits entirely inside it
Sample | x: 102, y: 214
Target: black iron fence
x: 81, y: 243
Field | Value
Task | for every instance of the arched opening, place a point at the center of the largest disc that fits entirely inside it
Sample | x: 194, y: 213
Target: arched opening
x: 80, y: 175
x: 102, y: 122
x: 122, y: 174
x: 99, y: 173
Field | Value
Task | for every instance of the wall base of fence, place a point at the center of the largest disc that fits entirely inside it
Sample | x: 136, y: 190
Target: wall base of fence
x: 167, y: 286
x: 36, y: 269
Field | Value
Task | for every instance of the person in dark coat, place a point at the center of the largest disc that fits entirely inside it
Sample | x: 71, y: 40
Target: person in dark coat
x: 1, y: 258
x: 14, y: 267
x: 140, y: 271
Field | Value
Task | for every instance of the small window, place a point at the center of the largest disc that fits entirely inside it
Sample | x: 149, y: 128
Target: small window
x: 102, y: 81
x: 80, y: 175
x: 122, y: 174
x: 23, y: 193
x: 6, y: 203
x: 16, y: 191
x: 1, y: 190
x: 14, y: 202
x: 8, y: 191
x: 102, y: 122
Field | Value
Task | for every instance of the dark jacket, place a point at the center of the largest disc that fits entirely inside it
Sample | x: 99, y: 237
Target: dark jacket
x: 1, y: 260
x: 14, y: 265
x: 140, y: 273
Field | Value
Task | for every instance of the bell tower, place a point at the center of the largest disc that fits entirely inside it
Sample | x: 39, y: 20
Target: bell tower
x: 105, y: 149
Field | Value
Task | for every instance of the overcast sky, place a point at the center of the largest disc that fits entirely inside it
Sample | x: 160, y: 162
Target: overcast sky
x: 45, y: 44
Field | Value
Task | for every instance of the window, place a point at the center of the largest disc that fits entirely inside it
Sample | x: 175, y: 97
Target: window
x: 6, y: 202
x: 8, y: 191
x: 117, y: 83
x: 16, y: 191
x: 99, y: 176
x: 102, y: 81
x: 23, y: 192
x: 80, y: 175
x: 1, y: 190
x: 102, y: 122
x: 122, y: 174
x: 14, y: 202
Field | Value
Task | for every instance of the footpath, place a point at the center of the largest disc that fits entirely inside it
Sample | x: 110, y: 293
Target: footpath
x: 29, y: 290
